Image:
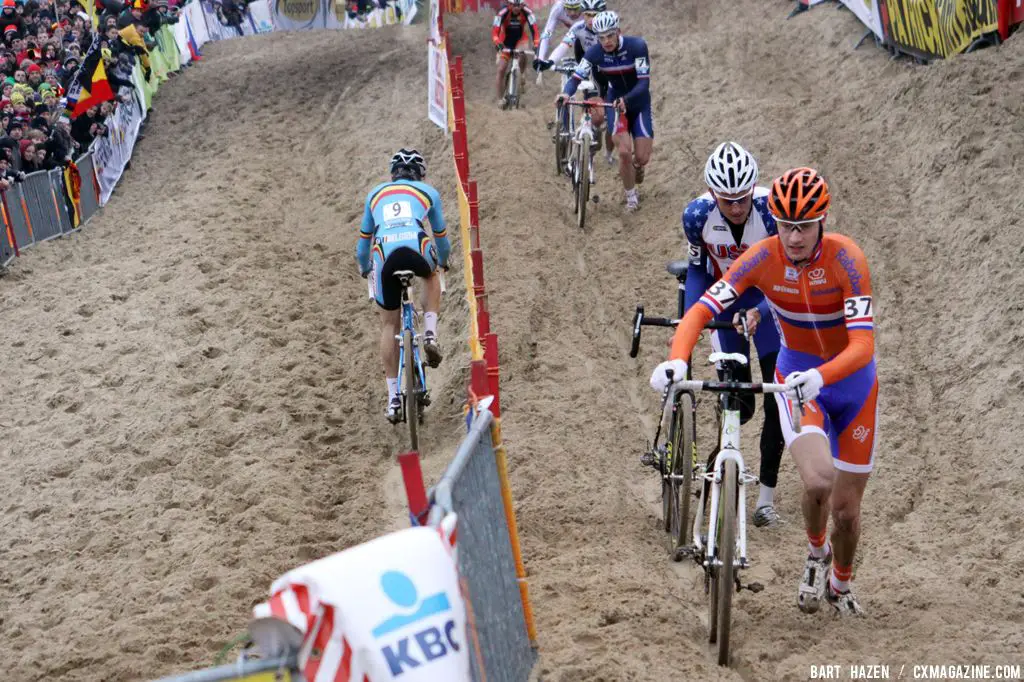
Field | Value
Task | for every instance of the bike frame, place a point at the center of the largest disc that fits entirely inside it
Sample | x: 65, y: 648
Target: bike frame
x: 584, y: 134
x: 408, y: 320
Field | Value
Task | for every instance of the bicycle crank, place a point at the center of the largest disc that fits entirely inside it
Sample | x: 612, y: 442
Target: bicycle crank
x: 753, y: 587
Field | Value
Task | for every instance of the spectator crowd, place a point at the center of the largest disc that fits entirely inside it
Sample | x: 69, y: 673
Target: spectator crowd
x: 51, y: 57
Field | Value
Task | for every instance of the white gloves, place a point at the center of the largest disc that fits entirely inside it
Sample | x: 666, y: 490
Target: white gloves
x: 659, y: 379
x: 810, y: 383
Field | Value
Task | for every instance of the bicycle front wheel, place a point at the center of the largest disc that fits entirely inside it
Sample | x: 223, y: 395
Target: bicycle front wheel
x: 559, y: 139
x: 683, y: 444
x: 583, y: 187
x: 412, y: 396
x: 727, y: 551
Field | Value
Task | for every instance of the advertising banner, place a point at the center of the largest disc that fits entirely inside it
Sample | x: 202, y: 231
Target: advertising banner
x: 112, y: 152
x: 867, y: 11
x: 936, y: 28
x: 437, y: 85
x: 304, y: 15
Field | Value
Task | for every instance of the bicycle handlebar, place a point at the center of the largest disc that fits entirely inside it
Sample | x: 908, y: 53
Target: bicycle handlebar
x: 736, y: 387
x: 640, y: 320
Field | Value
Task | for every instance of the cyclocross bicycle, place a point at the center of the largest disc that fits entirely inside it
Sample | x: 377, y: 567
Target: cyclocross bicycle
x: 514, y: 77
x: 412, y: 374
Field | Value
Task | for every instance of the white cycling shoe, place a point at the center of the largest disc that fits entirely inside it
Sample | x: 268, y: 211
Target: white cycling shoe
x: 632, y: 201
x: 394, y: 409
x: 844, y: 603
x: 813, y: 583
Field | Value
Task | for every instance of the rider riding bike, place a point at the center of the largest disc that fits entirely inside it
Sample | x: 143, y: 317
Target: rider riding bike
x: 509, y: 33
x: 392, y: 238
x: 819, y: 290
x: 564, y: 12
x: 579, y: 39
x: 625, y: 62
x: 720, y: 225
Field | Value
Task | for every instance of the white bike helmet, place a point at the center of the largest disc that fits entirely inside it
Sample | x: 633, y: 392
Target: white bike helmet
x: 730, y: 169
x: 594, y: 5
x: 572, y: 4
x: 409, y: 163
x: 606, y: 22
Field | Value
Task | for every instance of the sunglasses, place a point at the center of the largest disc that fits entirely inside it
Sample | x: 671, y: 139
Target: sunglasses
x: 733, y: 201
x: 590, y: 15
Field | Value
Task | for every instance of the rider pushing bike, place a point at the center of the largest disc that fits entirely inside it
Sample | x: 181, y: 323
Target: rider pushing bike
x: 625, y: 63
x: 509, y: 33
x: 819, y: 290
x: 392, y: 238
x: 720, y: 225
x: 580, y: 38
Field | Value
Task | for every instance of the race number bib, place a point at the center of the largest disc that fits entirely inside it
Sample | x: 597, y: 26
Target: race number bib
x: 398, y: 212
x: 642, y: 66
x: 694, y: 253
x: 722, y: 293
x: 858, y: 308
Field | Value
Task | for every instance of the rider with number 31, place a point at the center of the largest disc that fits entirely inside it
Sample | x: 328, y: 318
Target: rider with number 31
x: 819, y: 290
x: 392, y: 238
x: 509, y: 33
x: 719, y: 226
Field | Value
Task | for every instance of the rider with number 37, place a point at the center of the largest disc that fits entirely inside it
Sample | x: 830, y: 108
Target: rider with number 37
x: 509, y: 33
x: 392, y: 238
x: 819, y: 290
x: 720, y: 225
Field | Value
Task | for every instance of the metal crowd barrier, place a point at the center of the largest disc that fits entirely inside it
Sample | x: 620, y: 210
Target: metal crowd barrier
x: 471, y: 488
x: 37, y: 209
x: 271, y: 670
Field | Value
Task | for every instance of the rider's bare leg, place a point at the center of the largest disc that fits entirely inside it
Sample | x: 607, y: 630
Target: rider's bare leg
x: 624, y: 143
x: 390, y: 322
x: 847, y: 493
x: 814, y: 463
x: 500, y: 83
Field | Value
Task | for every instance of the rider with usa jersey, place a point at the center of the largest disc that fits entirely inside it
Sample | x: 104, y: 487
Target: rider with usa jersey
x: 392, y: 238
x: 720, y: 225
x: 625, y: 62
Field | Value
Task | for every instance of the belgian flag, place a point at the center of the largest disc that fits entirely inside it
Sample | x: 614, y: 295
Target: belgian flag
x: 92, y: 79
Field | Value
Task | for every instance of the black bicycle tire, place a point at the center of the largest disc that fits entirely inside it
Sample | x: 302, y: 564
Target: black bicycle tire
x: 583, y: 196
x: 683, y: 468
x: 727, y: 550
x: 560, y: 146
x: 411, y: 393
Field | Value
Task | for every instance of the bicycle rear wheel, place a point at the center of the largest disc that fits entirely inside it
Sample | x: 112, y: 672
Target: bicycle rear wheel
x: 412, y: 396
x: 683, y: 445
x: 583, y: 186
x: 727, y: 551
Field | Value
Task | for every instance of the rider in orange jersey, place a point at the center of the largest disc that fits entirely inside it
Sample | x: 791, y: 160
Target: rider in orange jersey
x: 508, y: 32
x: 819, y: 291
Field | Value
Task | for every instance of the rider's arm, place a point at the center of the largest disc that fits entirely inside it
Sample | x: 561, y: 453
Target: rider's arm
x: 563, y: 48
x: 741, y: 275
x: 532, y: 21
x: 642, y: 64
x: 497, y: 32
x: 437, y: 225
x: 851, y: 269
x: 554, y: 17
x: 365, y: 237
x: 583, y: 70
x: 697, y: 278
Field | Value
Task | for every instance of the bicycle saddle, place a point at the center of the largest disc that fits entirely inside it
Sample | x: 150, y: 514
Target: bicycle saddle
x: 404, y: 276
x: 718, y: 356
x: 677, y: 269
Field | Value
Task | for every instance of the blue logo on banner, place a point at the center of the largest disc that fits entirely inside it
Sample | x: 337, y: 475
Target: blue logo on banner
x: 400, y: 589
x: 421, y: 647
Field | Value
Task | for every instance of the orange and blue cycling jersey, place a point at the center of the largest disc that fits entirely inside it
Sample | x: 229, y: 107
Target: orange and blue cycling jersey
x: 825, y: 317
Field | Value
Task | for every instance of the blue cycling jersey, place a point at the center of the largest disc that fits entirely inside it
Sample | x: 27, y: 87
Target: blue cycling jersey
x: 627, y: 70
x: 393, y: 218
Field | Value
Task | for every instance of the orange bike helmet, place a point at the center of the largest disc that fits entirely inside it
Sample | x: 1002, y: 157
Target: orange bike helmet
x: 799, y: 195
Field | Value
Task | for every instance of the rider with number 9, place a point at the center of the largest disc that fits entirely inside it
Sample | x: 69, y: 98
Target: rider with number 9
x: 509, y: 33
x: 720, y: 225
x: 392, y: 238
x: 819, y: 290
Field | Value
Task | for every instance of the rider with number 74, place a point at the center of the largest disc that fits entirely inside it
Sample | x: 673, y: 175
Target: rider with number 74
x: 819, y: 290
